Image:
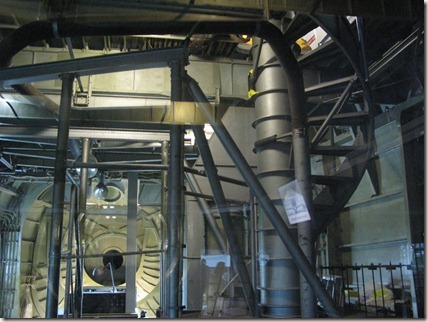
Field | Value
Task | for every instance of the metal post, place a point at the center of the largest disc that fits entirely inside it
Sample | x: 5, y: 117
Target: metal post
x: 175, y: 215
x: 80, y: 226
x: 131, y: 242
x: 302, y: 170
x: 86, y: 147
x: 362, y: 42
x: 175, y: 201
x: 69, y: 268
x: 253, y: 238
x: 364, y: 290
x: 194, y: 186
x: 372, y: 269
x: 390, y: 268
x: 266, y: 204
x: 356, y: 269
x: 78, y: 291
x: 223, y: 208
x: 163, y: 226
x: 57, y: 217
x: 381, y: 287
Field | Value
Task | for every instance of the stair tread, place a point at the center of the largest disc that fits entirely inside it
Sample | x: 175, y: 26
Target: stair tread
x: 330, y: 180
x: 340, y: 150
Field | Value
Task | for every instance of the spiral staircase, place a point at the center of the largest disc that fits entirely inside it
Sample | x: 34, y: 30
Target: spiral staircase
x: 340, y: 103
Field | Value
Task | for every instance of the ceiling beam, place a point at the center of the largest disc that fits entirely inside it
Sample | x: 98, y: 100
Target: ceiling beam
x: 155, y: 58
x: 17, y: 132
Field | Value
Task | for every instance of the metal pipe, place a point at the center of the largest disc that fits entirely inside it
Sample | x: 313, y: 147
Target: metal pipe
x: 69, y: 268
x: 86, y: 148
x: 266, y: 204
x: 223, y: 208
x: 362, y: 42
x: 175, y: 214
x: 222, y: 178
x: 80, y: 225
x: 163, y: 225
x: 194, y: 186
x: 302, y: 172
x: 209, y: 197
x: 54, y: 267
x: 118, y: 166
x: 78, y: 293
x: 253, y: 240
x: 157, y: 251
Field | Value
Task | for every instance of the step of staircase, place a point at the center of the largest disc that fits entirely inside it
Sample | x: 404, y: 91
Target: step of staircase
x: 331, y: 180
x: 340, y: 151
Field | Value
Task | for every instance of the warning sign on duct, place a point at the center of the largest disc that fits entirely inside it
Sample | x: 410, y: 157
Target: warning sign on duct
x: 294, y: 203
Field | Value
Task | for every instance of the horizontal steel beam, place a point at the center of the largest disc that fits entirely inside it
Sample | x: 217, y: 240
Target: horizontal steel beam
x: 88, y: 123
x: 16, y: 132
x: 119, y: 166
x: 91, y: 66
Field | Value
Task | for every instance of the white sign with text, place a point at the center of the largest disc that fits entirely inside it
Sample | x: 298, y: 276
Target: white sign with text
x: 294, y: 203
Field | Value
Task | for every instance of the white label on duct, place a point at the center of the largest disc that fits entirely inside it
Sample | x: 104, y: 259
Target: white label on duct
x: 294, y: 203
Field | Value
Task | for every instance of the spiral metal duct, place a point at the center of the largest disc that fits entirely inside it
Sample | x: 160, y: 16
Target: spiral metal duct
x: 279, y: 276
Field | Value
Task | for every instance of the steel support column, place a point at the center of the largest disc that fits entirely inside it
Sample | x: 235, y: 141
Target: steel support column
x: 223, y: 208
x: 264, y: 201
x: 175, y: 218
x: 163, y: 226
x: 69, y: 268
x: 80, y: 225
x: 302, y: 171
x: 131, y: 242
x: 175, y: 201
x: 54, y: 268
x: 253, y: 234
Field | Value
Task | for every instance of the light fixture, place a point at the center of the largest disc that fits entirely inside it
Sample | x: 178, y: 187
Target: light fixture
x: 115, y: 191
x: 101, y: 190
x: 92, y: 172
